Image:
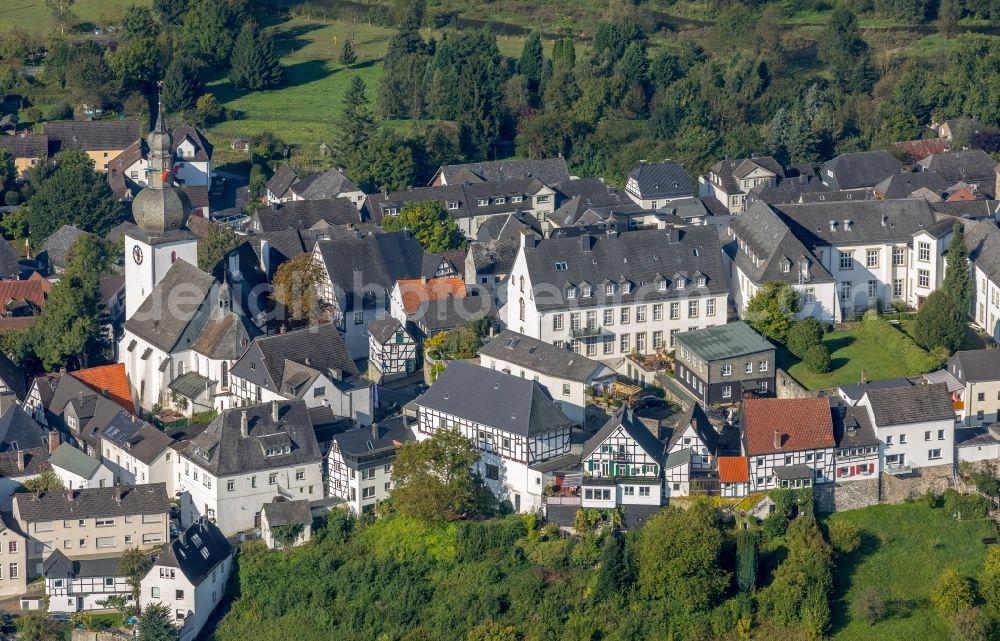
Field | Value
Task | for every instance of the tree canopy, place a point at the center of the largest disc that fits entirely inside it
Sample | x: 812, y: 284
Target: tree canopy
x: 772, y: 310
x: 939, y: 323
x: 254, y: 65
x: 295, y: 288
x: 71, y: 192
x: 218, y: 241
x: 429, y: 223
x: 957, y: 278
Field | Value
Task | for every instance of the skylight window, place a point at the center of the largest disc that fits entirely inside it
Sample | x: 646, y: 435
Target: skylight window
x: 561, y: 267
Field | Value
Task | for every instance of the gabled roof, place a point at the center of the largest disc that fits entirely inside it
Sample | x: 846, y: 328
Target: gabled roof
x: 58, y: 245
x: 92, y: 135
x: 982, y: 240
x: 137, y: 437
x: 696, y: 419
x: 383, y: 329
x: 270, y: 360
x: 964, y: 165
x: 905, y: 405
x: 282, y: 179
x: 801, y: 424
x: 196, y: 551
x: 548, y: 170
x: 977, y: 365
x: 489, y: 397
x: 725, y: 341
x: 111, y: 379
x: 223, y: 450
x: 30, y: 146
x: 851, y: 425
x: 74, y: 461
x: 624, y: 419
x: 288, y: 513
x: 35, y: 290
x: 227, y: 337
x: 917, y: 149
x: 93, y: 502
x: 380, y: 259
x: 542, y: 357
x: 902, y: 185
x: 729, y: 171
x: 13, y: 376
x: 768, y: 237
x: 860, y: 169
x: 323, y: 185
x: 417, y: 293
x: 9, y: 267
x: 665, y: 179
x: 636, y: 257
x: 162, y: 318
x: 304, y: 214
x: 856, y: 391
x: 202, y: 148
x: 857, y: 222
x: 18, y: 431
x: 507, y: 228
x: 366, y: 447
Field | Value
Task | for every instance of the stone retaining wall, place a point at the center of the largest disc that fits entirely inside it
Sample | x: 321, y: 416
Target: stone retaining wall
x: 787, y: 387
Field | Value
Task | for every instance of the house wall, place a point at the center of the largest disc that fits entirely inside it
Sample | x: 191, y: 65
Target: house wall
x: 356, y: 404
x: 346, y: 481
x: 145, y: 375
x: 819, y: 300
x: 392, y: 359
x: 199, y: 601
x: 84, y: 593
x: 102, y: 477
x: 272, y: 544
x: 569, y: 395
x: 13, y: 563
x: 858, y: 464
x: 762, y: 466
x: 989, y: 406
x: 987, y: 303
x: 237, y: 510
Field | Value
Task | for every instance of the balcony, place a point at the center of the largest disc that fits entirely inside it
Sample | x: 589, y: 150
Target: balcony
x: 897, y: 469
x: 587, y: 332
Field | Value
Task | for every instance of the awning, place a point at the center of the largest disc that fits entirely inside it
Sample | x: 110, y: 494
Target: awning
x: 793, y: 472
x: 191, y: 385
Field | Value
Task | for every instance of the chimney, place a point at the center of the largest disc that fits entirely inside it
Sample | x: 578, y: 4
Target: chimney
x: 274, y: 411
x: 53, y: 441
x: 777, y: 439
x: 118, y: 494
x: 423, y: 280
x: 528, y: 238
x: 69, y: 495
x: 244, y: 424
x: 586, y: 243
x: 20, y: 460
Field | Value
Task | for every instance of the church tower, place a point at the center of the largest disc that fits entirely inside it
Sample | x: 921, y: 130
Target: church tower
x: 161, y: 213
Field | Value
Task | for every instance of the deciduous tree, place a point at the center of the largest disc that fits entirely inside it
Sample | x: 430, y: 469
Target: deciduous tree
x: 218, y: 241
x: 429, y: 223
x: 295, y: 288
x: 71, y: 192
x: 772, y: 310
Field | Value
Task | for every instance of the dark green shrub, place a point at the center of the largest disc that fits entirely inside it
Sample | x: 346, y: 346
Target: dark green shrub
x: 803, y: 335
x: 817, y: 359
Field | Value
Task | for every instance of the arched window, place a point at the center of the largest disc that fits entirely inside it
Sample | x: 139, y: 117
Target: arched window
x: 225, y: 374
x: 522, y: 287
x: 173, y: 257
x: 521, y: 305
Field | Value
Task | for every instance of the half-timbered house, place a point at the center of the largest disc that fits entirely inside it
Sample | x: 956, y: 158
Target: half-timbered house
x: 623, y: 465
x: 510, y: 420
x: 789, y: 442
x: 392, y: 351
x: 82, y: 584
x: 360, y: 462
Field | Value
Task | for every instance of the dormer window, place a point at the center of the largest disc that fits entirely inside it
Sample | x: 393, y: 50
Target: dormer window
x: 701, y: 281
x: 681, y: 283
x: 516, y: 199
x: 499, y: 201
x: 561, y: 267
x: 661, y: 285
x: 786, y: 267
x: 452, y: 205
x: 626, y: 288
x: 586, y: 291
x: 392, y: 211
x: 610, y: 289
x: 482, y: 202
x: 571, y: 292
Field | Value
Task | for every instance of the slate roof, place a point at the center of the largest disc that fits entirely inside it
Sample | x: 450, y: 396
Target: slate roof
x: 18, y: 431
x: 548, y: 170
x: 788, y: 190
x: 968, y: 165
x: 137, y: 437
x: 443, y: 314
x: 381, y: 259
x: 32, y: 146
x: 202, y: 148
x: 304, y: 214
x: 383, y: 329
x: 323, y: 185
x: 494, y: 257
x: 489, y: 397
x: 110, y: 378
x: 227, y: 337
x: 665, y: 179
x: 57, y: 246
x: 977, y: 365
x: 902, y: 185
x: 74, y: 461
x: 281, y: 180
x: 92, y: 135
x: 36, y: 461
x: 725, y: 341
x: 372, y: 446
x: 9, y: 267
x: 459, y: 200
x: 804, y: 423
x: 507, y: 228
x: 623, y: 418
x: 93, y: 502
x: 222, y: 450
x: 729, y: 171
x: 635, y: 257
x: 162, y: 318
x: 277, y: 361
x: 58, y: 565
x: 860, y: 169
x: 288, y: 513
x: 544, y: 358
x: 870, y: 221
x: 13, y: 376
x: 767, y: 236
x: 982, y: 240
x: 851, y: 426
x: 185, y: 552
x: 856, y: 391
x: 905, y: 405
x: 695, y: 417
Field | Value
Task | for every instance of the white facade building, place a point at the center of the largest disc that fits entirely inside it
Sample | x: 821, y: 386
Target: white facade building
x: 916, y: 426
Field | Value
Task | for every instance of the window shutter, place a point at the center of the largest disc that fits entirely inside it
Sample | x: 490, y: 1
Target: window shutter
x: 590, y: 465
x: 871, y: 468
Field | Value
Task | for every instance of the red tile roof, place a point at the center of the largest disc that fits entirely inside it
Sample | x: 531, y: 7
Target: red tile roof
x: 416, y: 292
x: 802, y: 423
x: 733, y: 469
x: 34, y: 290
x: 111, y: 378
x: 16, y: 323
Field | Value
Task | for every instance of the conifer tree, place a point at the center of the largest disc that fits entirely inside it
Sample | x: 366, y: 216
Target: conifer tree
x: 530, y: 64
x: 254, y: 63
x: 957, y: 279
x: 181, y: 85
x: 347, y: 55
x: 356, y: 124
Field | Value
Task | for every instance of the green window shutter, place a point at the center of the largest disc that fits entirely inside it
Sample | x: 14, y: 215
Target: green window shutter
x: 590, y: 465
x: 614, y: 469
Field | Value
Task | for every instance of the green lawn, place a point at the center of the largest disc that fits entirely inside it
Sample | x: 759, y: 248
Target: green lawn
x: 850, y: 352
x: 904, y: 550
x: 35, y: 18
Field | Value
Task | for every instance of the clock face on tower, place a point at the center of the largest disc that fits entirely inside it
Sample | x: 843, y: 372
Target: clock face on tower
x: 137, y: 255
